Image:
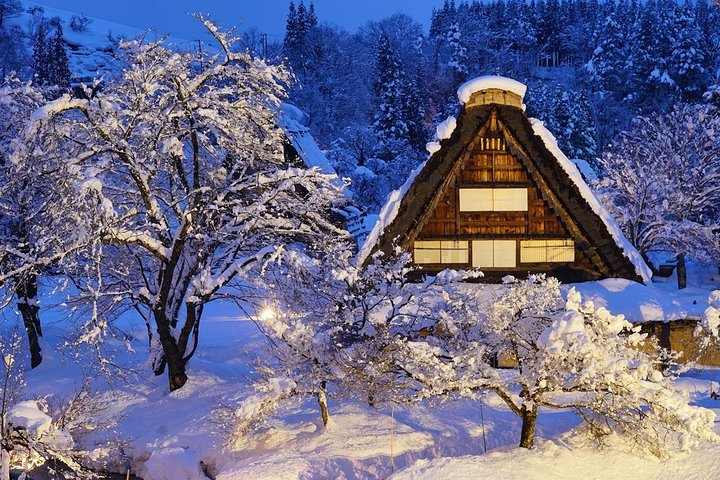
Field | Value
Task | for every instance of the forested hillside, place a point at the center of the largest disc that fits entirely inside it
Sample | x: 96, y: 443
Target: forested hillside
x: 375, y: 95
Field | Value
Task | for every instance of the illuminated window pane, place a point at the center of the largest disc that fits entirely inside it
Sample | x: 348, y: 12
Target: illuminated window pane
x: 493, y: 199
x: 454, y: 252
x: 436, y: 251
x: 482, y: 253
x: 542, y: 251
x: 561, y: 253
x: 427, y: 256
x: 532, y: 251
x: 504, y: 252
x: 427, y: 252
x: 510, y: 199
x: 476, y: 199
x: 494, y: 253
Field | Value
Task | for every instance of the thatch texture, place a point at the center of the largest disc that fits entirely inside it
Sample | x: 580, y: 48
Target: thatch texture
x: 599, y: 254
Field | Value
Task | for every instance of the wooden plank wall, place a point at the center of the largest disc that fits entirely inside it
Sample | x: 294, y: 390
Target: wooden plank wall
x: 489, y: 165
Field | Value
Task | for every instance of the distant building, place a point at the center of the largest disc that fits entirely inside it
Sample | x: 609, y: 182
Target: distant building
x: 301, y: 150
x: 498, y: 195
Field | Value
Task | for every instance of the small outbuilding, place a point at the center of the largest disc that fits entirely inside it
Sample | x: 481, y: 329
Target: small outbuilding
x: 497, y: 194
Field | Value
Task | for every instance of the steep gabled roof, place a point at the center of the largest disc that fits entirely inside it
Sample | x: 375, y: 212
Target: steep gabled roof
x: 408, y: 208
x: 292, y: 120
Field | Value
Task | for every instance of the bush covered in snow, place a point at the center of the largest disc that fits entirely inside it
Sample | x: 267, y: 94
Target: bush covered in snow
x: 570, y: 354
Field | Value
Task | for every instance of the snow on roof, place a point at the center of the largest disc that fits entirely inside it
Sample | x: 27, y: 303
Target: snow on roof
x: 387, y: 215
x: 292, y: 120
x: 585, y: 169
x: 487, y: 82
x: 443, y: 132
x: 571, y: 169
x: 645, y: 303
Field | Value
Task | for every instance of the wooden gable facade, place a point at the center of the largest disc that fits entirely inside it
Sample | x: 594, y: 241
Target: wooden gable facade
x: 495, y: 198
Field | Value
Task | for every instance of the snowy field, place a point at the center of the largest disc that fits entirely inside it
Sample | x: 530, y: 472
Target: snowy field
x: 186, y: 434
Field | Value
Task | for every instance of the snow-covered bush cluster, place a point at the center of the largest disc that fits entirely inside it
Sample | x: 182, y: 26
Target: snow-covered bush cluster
x: 369, y: 334
x: 709, y: 326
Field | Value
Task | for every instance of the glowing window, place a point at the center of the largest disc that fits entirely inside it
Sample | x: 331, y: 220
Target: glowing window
x: 493, y: 199
x: 441, y: 251
x: 494, y: 253
x: 547, y: 251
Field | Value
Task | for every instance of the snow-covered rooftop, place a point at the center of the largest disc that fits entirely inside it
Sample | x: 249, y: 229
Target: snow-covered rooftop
x: 387, y: 215
x: 292, y: 120
x: 490, y: 82
x: 572, y: 171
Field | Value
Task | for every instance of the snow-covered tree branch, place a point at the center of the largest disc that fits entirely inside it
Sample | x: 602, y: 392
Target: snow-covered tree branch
x: 662, y: 182
x: 180, y: 164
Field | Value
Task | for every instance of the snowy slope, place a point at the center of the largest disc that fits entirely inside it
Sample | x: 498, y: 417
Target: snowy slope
x: 165, y: 436
x: 91, y: 52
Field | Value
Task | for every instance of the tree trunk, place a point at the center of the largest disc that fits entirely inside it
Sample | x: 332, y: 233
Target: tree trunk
x: 172, y: 355
x: 27, y: 290
x: 529, y: 420
x: 4, y: 464
x: 322, y: 401
x: 664, y: 342
x: 681, y: 271
x: 176, y: 374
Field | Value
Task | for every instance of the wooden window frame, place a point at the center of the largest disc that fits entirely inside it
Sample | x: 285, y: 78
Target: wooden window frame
x: 444, y: 248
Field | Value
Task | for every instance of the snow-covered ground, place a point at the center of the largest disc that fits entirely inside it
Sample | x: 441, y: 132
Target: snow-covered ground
x: 656, y: 301
x: 187, y: 434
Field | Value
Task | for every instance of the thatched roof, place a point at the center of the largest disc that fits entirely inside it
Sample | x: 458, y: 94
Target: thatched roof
x: 400, y: 223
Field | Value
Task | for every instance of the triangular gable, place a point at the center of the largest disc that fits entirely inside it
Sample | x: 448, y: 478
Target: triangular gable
x: 606, y: 251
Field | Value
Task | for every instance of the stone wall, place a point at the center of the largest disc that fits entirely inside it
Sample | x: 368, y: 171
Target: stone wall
x: 679, y: 336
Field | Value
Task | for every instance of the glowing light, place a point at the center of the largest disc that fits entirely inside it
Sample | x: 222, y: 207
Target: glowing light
x: 267, y: 314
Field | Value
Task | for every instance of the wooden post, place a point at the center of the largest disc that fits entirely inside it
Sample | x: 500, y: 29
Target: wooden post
x: 681, y: 271
x: 665, y: 343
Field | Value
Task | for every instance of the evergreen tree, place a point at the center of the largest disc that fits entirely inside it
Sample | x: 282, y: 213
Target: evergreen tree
x: 300, y: 45
x: 311, y: 19
x: 582, y: 140
x: 687, y: 58
x: 414, y: 108
x: 58, y: 69
x: 442, y: 19
x: 389, y: 122
x: 292, y: 33
x: 606, y: 68
x: 50, y: 59
x: 652, y: 46
x: 458, y: 57
x: 41, y: 53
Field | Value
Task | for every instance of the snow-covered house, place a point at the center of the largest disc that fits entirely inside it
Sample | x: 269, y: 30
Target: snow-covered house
x: 498, y: 194
x: 302, y: 150
x: 301, y: 147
